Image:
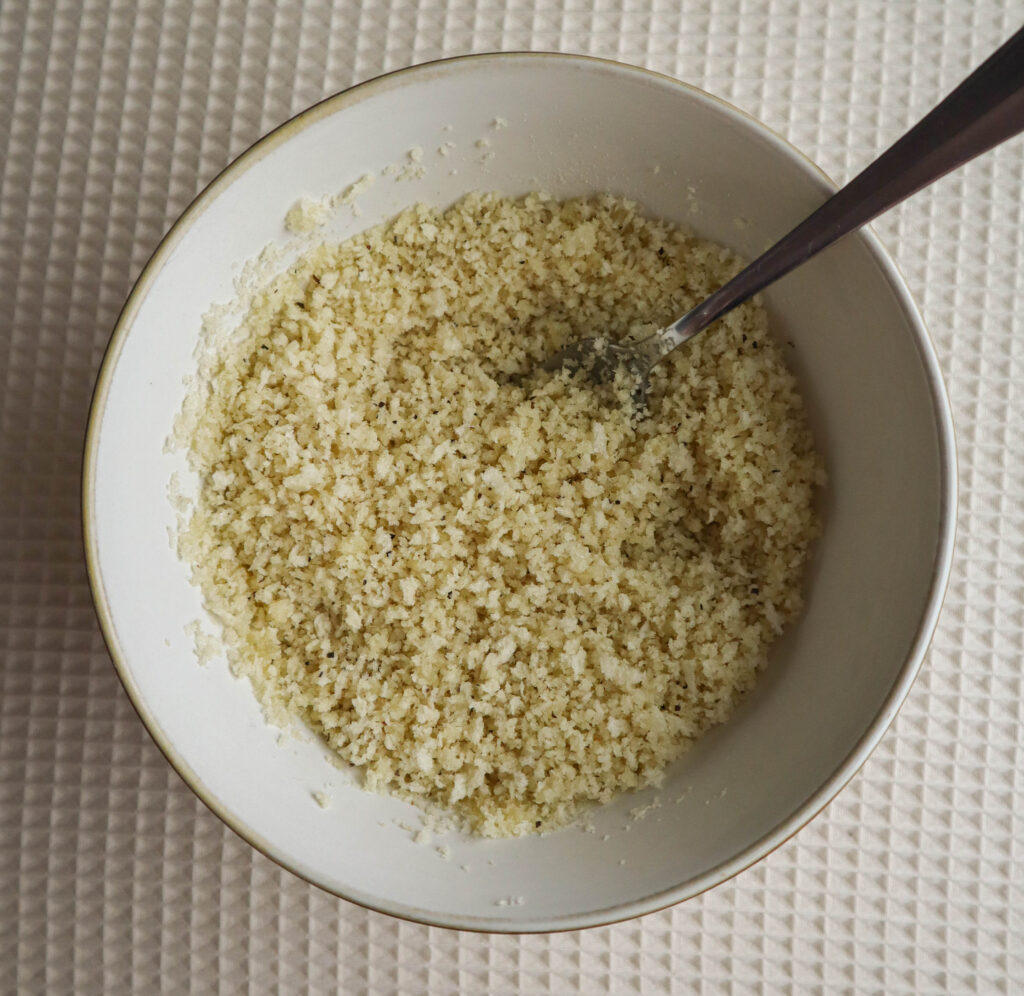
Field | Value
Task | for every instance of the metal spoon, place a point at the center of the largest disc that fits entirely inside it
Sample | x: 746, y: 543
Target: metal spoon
x: 983, y: 111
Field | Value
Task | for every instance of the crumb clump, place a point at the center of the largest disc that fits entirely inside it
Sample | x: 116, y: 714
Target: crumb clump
x: 491, y: 594
x: 306, y: 215
x: 356, y: 190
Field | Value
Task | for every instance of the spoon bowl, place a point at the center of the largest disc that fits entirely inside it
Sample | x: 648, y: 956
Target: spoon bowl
x: 607, y: 364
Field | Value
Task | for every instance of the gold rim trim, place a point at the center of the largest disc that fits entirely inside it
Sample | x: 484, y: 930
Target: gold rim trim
x: 767, y: 843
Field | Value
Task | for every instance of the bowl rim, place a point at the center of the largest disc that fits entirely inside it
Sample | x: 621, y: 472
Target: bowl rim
x: 768, y: 842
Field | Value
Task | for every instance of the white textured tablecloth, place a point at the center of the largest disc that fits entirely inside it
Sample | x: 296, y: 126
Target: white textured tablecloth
x: 115, y: 879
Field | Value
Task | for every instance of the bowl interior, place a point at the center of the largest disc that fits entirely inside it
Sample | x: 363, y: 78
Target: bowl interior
x: 573, y: 126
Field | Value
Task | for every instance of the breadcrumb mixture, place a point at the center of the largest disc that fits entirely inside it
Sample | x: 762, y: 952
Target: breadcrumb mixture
x: 495, y: 594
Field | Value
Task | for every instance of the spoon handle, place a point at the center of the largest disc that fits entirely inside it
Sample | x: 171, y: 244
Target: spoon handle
x: 985, y: 109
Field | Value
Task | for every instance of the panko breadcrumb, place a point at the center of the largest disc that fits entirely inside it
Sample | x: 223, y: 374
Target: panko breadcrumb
x: 490, y: 593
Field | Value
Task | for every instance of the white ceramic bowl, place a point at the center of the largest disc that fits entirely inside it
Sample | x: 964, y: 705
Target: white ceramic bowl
x: 869, y: 374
